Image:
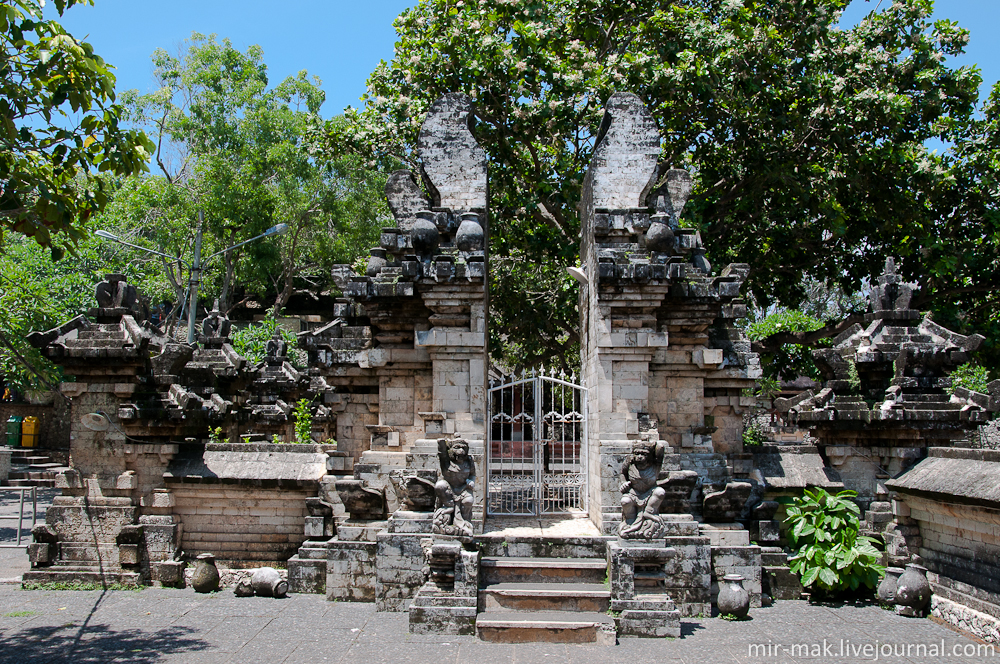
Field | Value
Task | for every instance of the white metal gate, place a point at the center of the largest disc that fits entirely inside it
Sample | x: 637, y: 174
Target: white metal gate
x: 536, y: 459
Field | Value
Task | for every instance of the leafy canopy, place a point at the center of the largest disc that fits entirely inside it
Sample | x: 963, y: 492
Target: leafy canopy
x: 806, y: 141
x: 229, y: 144
x: 59, y: 128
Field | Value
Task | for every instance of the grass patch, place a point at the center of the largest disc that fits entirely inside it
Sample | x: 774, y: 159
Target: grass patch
x: 78, y: 585
x: 20, y: 614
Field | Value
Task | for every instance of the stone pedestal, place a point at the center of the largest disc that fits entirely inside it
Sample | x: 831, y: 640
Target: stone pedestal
x: 638, y: 580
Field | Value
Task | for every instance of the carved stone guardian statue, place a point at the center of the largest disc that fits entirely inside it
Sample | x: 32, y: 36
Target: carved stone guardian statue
x: 641, y: 497
x: 454, y: 491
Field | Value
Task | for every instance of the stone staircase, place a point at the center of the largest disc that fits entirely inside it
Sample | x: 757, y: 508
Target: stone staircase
x: 553, y: 600
x: 33, y: 467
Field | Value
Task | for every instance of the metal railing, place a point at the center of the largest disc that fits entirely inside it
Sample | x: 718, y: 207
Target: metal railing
x: 20, y: 515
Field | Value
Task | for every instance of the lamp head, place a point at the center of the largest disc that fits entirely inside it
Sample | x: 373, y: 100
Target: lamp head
x: 95, y: 421
x: 578, y: 274
x: 106, y: 235
x: 280, y: 229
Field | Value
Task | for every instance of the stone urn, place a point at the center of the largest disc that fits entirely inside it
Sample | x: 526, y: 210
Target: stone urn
x: 913, y: 592
x: 267, y: 582
x: 424, y: 233
x: 659, y: 237
x: 886, y: 590
x: 733, y: 597
x: 470, y: 233
x: 205, y: 578
x: 376, y: 262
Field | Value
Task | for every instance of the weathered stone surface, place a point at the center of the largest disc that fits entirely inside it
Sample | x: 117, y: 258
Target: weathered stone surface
x: 362, y: 502
x: 954, y: 474
x: 623, y: 166
x: 794, y: 468
x: 728, y: 504
x: 452, y: 160
x: 405, y: 198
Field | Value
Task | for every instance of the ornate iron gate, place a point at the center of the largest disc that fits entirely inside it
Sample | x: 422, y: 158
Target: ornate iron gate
x: 536, y: 446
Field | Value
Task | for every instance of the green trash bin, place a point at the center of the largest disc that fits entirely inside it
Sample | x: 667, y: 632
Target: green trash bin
x: 14, y: 430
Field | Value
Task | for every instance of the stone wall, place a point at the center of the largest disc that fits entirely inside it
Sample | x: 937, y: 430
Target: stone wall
x: 240, y: 524
x: 954, y: 499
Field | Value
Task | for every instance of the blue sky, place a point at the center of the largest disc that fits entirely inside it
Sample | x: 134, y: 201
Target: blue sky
x: 342, y: 41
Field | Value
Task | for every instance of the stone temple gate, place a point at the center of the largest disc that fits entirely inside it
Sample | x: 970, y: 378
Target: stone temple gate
x: 532, y: 507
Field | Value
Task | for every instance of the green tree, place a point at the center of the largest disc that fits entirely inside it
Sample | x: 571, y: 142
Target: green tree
x: 230, y: 145
x: 806, y: 141
x: 59, y: 128
x: 37, y: 293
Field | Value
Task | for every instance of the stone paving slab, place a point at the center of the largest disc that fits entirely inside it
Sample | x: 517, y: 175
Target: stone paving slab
x: 170, y: 626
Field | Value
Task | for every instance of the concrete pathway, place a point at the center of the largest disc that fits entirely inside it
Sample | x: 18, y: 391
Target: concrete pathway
x: 158, y: 625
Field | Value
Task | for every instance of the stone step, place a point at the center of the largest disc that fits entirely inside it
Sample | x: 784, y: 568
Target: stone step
x: 115, y: 333
x: 546, y: 627
x: 543, y: 570
x: 30, y: 482
x: 569, y: 597
x: 80, y: 574
x: 27, y: 457
x: 49, y: 465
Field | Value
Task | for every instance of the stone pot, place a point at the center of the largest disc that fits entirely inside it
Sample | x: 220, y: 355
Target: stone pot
x: 913, y: 592
x: 470, y: 234
x: 424, y: 234
x: 887, y: 588
x: 267, y: 582
x: 205, y: 578
x: 733, y: 597
x: 659, y: 237
x: 376, y: 262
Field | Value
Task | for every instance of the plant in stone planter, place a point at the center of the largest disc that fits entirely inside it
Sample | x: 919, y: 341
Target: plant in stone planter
x: 830, y: 555
x: 303, y: 421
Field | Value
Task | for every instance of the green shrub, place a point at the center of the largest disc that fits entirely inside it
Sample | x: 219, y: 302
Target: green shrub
x: 303, y: 421
x: 251, y: 341
x: 829, y: 552
x: 970, y: 377
x: 753, y: 432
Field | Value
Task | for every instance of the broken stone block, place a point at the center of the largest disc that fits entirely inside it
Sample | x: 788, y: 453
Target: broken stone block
x: 726, y: 505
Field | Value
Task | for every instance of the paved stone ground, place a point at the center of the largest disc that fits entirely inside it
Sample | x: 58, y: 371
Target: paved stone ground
x: 14, y: 561
x: 169, y: 626
x: 158, y: 625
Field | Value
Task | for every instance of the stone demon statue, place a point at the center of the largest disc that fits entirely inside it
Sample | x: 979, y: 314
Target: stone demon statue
x: 454, y: 491
x: 641, y: 497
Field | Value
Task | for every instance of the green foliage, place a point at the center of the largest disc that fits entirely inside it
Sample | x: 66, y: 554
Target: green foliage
x: 753, y: 432
x: 800, y: 135
x: 829, y: 553
x: 853, y: 379
x: 971, y: 377
x: 59, y: 127
x: 251, y: 341
x: 215, y: 435
x: 78, y: 585
x: 767, y: 388
x: 38, y: 293
x: 789, y: 361
x: 303, y: 421
x: 236, y: 146
x: 20, y: 614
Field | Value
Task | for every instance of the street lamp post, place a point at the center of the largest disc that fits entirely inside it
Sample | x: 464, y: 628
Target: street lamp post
x: 196, y: 267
